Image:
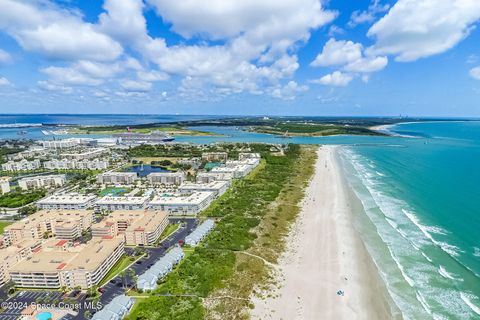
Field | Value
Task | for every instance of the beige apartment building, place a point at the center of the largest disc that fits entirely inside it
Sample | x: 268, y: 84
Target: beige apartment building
x: 139, y: 227
x: 117, y: 178
x: 47, y: 181
x: 64, y: 224
x: 13, y: 254
x: 215, y: 156
x: 4, y: 185
x: 166, y: 178
x: 60, y: 263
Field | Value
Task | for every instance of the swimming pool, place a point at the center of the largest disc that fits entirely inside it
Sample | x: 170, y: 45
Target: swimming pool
x: 44, y: 316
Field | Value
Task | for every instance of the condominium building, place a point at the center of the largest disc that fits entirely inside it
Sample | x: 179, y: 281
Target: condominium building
x: 252, y: 162
x: 206, y: 177
x: 159, y: 178
x: 21, y: 165
x: 120, y: 178
x: 86, y: 154
x: 69, y: 201
x: 237, y: 172
x: 139, y: 227
x: 61, y: 263
x: 63, y: 224
x: 215, y: 156
x: 48, y: 181
x: 248, y: 155
x: 184, y: 205
x: 65, y: 164
x: 29, y: 153
x: 109, y: 203
x: 62, y: 164
x: 60, y: 144
x: 4, y: 185
x: 217, y: 187
x: 193, y: 162
x: 91, y: 164
x: 13, y: 254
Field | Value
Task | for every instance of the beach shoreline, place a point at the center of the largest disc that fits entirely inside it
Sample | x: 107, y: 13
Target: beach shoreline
x: 326, y: 271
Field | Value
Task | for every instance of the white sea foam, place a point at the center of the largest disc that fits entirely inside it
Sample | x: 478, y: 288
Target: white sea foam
x: 427, y: 257
x: 476, y: 252
x: 402, y: 271
x: 384, y: 211
x: 424, y: 303
x: 428, y: 230
x: 380, y: 174
x: 467, y: 298
x: 444, y: 273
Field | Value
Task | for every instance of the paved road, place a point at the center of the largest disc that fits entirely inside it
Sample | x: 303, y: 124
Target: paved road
x: 112, y: 289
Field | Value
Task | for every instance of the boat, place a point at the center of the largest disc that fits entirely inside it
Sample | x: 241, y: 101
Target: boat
x: 149, y: 138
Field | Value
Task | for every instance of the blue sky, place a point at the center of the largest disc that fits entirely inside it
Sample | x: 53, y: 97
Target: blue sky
x: 277, y: 57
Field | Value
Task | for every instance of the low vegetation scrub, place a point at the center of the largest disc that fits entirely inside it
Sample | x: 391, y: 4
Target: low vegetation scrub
x: 182, y: 294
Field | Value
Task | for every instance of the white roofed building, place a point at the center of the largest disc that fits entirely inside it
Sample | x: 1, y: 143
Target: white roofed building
x: 218, y: 187
x: 183, y: 205
x: 166, y: 178
x: 109, y: 203
x: 69, y: 201
x: 46, y: 181
x: 21, y: 165
x: 206, y: 177
x: 117, y: 178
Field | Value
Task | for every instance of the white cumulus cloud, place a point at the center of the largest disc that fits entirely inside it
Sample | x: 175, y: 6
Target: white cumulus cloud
x: 57, y: 33
x: 350, y: 58
x: 414, y: 29
x: 338, y: 53
x: 336, y: 79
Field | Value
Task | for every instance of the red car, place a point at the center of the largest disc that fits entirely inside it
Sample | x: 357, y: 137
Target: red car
x: 101, y: 290
x: 181, y: 242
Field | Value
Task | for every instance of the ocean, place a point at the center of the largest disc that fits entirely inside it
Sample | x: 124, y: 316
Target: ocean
x: 422, y: 218
x: 421, y: 198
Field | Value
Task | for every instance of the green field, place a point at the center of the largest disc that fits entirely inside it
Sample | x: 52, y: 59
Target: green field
x: 171, y: 228
x: 15, y: 199
x: 314, y: 129
x: 124, y: 262
x: 3, y: 224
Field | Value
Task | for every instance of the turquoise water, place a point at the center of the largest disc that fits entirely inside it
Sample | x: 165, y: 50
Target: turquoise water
x: 422, y: 216
x: 44, y: 316
x: 421, y: 198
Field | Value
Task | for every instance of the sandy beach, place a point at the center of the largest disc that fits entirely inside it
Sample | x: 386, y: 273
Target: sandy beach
x: 326, y: 271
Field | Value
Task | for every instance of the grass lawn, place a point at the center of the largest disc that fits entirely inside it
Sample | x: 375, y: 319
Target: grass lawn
x: 117, y: 268
x: 15, y: 199
x: 171, y: 228
x: 3, y: 224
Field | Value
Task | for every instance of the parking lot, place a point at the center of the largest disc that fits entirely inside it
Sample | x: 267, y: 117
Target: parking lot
x: 113, y: 288
x: 13, y: 306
